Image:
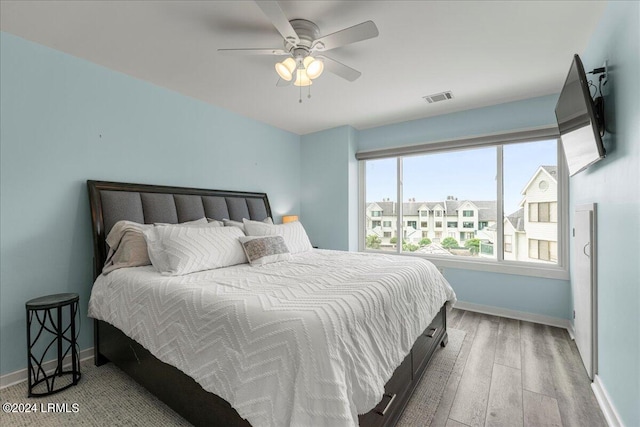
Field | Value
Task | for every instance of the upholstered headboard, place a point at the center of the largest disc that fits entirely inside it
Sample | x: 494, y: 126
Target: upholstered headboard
x: 147, y: 204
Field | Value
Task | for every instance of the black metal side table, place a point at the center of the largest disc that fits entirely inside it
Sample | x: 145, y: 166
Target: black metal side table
x: 45, y: 315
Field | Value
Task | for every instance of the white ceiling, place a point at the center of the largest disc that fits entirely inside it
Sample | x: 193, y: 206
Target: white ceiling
x: 486, y: 52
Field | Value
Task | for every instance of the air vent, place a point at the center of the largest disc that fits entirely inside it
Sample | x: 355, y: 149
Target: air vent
x: 437, y: 97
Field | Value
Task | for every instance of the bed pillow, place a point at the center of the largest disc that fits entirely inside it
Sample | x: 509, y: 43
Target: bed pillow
x: 240, y: 224
x: 265, y: 250
x: 293, y: 233
x: 176, y: 250
x: 216, y: 222
x: 128, y: 247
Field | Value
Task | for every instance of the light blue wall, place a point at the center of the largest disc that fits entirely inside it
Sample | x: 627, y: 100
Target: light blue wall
x: 546, y: 297
x: 328, y: 188
x: 65, y: 120
x: 352, y: 166
x: 614, y: 184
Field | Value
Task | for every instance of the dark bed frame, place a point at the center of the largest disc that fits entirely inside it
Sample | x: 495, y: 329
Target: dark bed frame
x: 111, y: 202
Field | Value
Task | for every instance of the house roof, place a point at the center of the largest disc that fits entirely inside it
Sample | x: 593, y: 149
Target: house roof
x: 517, y: 219
x: 487, y: 210
x: 550, y: 171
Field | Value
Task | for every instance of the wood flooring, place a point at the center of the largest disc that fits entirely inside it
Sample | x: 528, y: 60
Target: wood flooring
x: 515, y: 373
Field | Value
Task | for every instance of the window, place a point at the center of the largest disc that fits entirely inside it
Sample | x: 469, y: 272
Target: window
x: 375, y: 224
x: 465, y: 236
x: 507, y: 196
x: 386, y: 223
x: 380, y: 192
x: 387, y: 234
x: 536, y: 184
x: 508, y: 243
x: 543, y: 212
x: 543, y: 250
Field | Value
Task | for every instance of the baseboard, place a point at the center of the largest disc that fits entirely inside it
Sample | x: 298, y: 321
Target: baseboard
x: 609, y: 411
x: 514, y: 314
x: 572, y: 331
x: 17, y: 377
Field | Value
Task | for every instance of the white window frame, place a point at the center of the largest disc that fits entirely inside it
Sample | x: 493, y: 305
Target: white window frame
x: 499, y: 265
x: 510, y: 243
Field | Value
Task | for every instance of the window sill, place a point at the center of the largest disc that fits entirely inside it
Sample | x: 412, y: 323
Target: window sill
x: 504, y: 267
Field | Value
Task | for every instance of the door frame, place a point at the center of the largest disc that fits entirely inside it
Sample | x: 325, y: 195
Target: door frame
x: 593, y: 256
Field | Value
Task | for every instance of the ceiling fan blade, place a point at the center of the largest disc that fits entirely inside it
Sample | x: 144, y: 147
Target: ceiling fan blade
x: 364, y: 31
x: 279, y: 20
x: 339, y: 69
x: 283, y: 82
x: 252, y: 51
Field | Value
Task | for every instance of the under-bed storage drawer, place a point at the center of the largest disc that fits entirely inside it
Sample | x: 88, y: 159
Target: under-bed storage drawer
x: 392, y: 401
x: 427, y: 342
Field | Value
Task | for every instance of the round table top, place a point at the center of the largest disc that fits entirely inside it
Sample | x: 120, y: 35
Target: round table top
x: 51, y: 301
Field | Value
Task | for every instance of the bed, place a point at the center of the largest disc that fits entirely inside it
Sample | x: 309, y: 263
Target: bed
x: 313, y: 340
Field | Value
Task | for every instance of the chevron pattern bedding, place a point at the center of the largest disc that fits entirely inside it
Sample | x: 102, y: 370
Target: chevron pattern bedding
x: 311, y: 341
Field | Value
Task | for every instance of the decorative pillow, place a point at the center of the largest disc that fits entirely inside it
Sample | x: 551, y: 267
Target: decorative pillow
x: 265, y: 250
x: 293, y: 233
x: 176, y: 250
x: 128, y: 247
x: 240, y: 224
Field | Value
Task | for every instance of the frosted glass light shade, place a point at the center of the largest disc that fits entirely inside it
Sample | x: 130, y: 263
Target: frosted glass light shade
x: 313, y: 67
x: 285, y: 69
x: 302, y: 79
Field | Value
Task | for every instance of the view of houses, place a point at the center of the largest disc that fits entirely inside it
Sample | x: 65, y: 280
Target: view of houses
x: 468, y: 227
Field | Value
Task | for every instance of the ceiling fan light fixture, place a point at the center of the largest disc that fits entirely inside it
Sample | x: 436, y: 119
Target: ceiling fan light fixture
x: 313, y: 67
x: 285, y: 68
x: 302, y: 79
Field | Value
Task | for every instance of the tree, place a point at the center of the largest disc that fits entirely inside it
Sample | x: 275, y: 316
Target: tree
x: 409, y: 247
x: 393, y: 240
x: 449, y: 243
x: 473, y: 245
x: 373, y: 241
x: 425, y: 241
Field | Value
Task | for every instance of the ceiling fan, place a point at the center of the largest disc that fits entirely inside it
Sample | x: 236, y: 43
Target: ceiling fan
x: 304, y: 47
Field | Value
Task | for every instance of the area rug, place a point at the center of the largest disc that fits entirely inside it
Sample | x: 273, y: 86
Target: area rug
x: 106, y: 396
x: 425, y: 400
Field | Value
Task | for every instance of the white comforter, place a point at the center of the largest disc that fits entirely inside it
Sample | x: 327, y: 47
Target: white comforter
x: 311, y: 341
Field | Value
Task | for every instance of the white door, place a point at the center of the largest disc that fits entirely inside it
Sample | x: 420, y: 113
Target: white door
x: 584, y: 286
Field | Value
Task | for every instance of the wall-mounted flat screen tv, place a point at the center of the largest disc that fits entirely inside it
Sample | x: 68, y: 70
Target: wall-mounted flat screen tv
x: 580, y: 127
